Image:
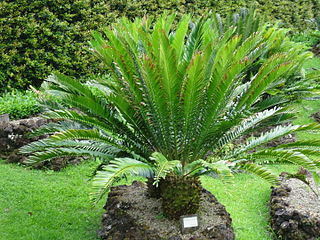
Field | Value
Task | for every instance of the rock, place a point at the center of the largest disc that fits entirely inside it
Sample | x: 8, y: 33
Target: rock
x: 295, y: 209
x: 14, y: 134
x: 4, y: 120
x: 316, y: 116
x: 316, y: 49
x: 132, y: 214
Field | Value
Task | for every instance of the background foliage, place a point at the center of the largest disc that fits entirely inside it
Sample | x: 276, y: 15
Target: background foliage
x: 296, y: 14
x: 38, y: 37
x: 19, y: 104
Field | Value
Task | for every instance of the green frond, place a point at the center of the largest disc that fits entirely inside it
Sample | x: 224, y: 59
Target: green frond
x: 275, y: 133
x: 115, y: 170
x: 92, y: 135
x: 269, y: 102
x: 193, y: 41
x: 222, y: 168
x: 271, y: 70
x: 162, y: 166
x: 180, y: 35
x: 281, y: 156
x: 52, y: 153
x: 301, y: 144
x: 82, y: 119
x: 194, y: 168
x: 54, y: 127
x: 260, y: 172
x: 245, y: 125
x: 43, y: 145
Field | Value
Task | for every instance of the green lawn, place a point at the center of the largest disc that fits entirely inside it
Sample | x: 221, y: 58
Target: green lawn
x: 246, y: 199
x: 46, y: 205
x: 38, y: 205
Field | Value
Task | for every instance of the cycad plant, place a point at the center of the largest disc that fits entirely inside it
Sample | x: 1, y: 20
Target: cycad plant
x: 292, y: 88
x: 176, y: 99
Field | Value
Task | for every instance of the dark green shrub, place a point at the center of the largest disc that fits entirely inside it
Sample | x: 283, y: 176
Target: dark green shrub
x: 19, y: 104
x: 296, y: 14
x: 37, y: 37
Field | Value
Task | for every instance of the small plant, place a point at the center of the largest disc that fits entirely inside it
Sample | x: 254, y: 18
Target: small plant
x: 176, y: 95
x: 309, y: 38
x: 19, y: 104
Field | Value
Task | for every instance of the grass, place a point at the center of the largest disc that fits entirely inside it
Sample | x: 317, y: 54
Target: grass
x: 46, y: 205
x: 246, y: 199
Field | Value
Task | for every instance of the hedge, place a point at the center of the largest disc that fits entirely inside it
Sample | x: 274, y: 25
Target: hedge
x: 40, y: 36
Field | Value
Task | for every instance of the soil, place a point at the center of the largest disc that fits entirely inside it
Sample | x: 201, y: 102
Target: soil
x: 132, y: 214
x: 295, y: 209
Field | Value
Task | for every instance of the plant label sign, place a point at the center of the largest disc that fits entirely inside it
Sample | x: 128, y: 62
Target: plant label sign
x: 189, y: 223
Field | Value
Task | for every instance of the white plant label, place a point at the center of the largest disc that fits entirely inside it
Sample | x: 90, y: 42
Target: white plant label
x: 190, y: 222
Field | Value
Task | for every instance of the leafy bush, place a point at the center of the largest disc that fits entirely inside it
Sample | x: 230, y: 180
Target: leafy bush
x: 37, y: 37
x: 294, y: 14
x: 19, y: 104
x: 176, y: 96
x: 40, y: 36
x: 309, y: 38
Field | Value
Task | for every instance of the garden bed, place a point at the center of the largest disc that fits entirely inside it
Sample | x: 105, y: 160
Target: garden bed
x: 295, y: 209
x: 131, y: 214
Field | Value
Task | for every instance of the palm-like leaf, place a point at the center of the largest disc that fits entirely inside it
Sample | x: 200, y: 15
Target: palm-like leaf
x: 259, y: 171
x: 163, y: 166
x: 117, y: 169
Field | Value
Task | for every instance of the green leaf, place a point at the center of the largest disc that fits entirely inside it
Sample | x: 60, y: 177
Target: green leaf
x: 115, y: 170
x: 260, y: 172
x: 163, y: 166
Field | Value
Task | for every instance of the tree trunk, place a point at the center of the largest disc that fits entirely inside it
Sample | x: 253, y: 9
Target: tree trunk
x: 180, y: 195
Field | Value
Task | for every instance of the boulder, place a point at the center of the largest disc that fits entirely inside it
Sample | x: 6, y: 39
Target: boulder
x: 132, y: 214
x: 316, y: 49
x: 295, y: 208
x: 15, y: 134
x: 316, y: 116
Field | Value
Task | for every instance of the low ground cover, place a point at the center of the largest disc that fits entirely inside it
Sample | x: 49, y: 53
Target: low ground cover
x: 19, y: 104
x: 46, y: 205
